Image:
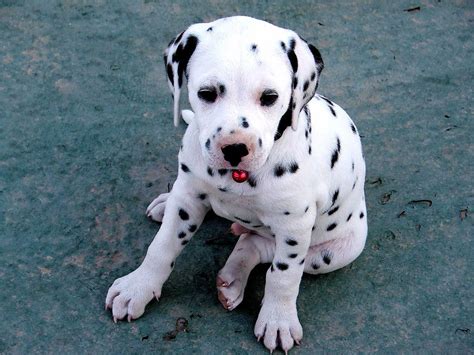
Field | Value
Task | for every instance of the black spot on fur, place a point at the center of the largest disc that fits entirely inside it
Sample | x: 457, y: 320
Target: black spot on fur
x: 309, y: 150
x: 192, y: 228
x: 292, y: 43
x: 334, y: 210
x: 283, y: 46
x: 306, y: 209
x: 282, y: 266
x: 183, y: 214
x: 349, y: 217
x: 184, y: 242
x: 291, y: 242
x: 253, y: 48
x: 293, y: 60
x: 181, y: 235
x: 293, y: 167
x: 292, y: 256
x: 244, y: 123
x: 221, y: 90
x: 361, y: 215
x: 208, y: 144
x: 279, y: 170
x: 326, y: 257
x: 286, y: 213
x: 330, y: 103
x: 177, y: 54
x: 242, y: 220
x: 314, y: 227
x: 184, y: 56
x: 353, y: 128
x: 334, y: 197
x: 295, y: 82
x: 352, y: 166
x: 222, y: 172
x: 313, y: 76
x: 315, y: 266
x: 223, y: 189
x: 169, y: 71
x: 332, y: 111
x: 307, y: 112
x: 285, y: 121
x: 185, y: 168
x: 317, y: 58
x: 202, y: 196
x: 354, y: 184
x: 179, y: 37
x: 302, y: 262
x: 219, y: 129
x: 334, y: 157
x: 338, y: 144
x: 209, y: 171
x: 252, y: 182
x: 172, y: 264
x: 306, y: 85
x: 209, y: 29
x: 331, y: 227
x: 260, y: 142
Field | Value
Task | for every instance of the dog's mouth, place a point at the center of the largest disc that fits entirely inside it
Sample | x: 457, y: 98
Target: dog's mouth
x: 240, y: 175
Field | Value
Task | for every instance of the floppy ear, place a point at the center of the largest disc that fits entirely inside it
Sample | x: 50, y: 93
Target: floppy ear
x: 306, y: 64
x: 176, y: 58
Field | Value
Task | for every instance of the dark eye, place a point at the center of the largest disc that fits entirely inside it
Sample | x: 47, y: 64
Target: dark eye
x: 268, y: 97
x: 208, y: 94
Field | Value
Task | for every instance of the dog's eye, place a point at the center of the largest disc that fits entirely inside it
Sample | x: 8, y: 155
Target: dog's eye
x: 268, y: 97
x: 208, y: 94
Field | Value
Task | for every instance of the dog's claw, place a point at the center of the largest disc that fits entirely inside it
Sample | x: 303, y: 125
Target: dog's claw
x: 129, y: 318
x: 115, y: 320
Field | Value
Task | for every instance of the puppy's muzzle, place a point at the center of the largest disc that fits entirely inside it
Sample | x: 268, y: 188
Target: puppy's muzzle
x: 234, y: 153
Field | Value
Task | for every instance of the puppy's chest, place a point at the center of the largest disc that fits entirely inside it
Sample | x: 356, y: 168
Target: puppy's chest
x: 254, y: 206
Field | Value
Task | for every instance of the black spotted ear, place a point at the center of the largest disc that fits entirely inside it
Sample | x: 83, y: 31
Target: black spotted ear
x: 176, y: 57
x: 306, y: 64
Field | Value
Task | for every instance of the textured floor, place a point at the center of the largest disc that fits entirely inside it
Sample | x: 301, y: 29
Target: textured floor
x: 86, y: 142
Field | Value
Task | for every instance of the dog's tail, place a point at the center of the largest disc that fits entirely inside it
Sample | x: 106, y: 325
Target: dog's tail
x: 187, y: 115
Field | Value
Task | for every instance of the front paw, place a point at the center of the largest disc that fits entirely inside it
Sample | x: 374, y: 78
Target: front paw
x: 278, y: 324
x: 130, y: 294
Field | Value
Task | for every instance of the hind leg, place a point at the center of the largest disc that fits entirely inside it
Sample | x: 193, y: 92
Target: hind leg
x: 156, y: 209
x: 334, y: 254
x: 250, y: 250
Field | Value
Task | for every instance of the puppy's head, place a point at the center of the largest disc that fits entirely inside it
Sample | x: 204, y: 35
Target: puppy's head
x: 247, y: 82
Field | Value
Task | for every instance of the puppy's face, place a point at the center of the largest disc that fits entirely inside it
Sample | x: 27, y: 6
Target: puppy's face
x: 247, y: 82
x: 238, y: 94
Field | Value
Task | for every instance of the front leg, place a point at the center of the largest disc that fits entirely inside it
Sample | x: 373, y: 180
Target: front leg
x: 278, y: 317
x: 184, y: 213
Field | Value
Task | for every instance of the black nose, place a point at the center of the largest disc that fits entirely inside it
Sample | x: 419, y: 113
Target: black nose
x: 233, y: 153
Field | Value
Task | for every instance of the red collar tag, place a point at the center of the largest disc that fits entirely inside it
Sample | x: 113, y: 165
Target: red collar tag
x: 240, y: 175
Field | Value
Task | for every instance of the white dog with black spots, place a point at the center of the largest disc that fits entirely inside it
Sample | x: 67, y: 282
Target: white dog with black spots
x: 263, y: 150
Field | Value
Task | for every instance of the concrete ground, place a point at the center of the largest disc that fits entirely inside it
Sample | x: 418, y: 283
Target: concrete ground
x: 87, y: 142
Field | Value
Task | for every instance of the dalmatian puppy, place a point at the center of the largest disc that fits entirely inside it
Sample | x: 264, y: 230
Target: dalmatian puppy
x: 261, y: 150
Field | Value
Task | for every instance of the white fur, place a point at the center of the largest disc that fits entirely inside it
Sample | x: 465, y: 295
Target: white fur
x: 287, y: 219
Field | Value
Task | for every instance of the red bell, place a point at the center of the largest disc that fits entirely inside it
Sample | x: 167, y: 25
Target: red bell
x: 240, y: 175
